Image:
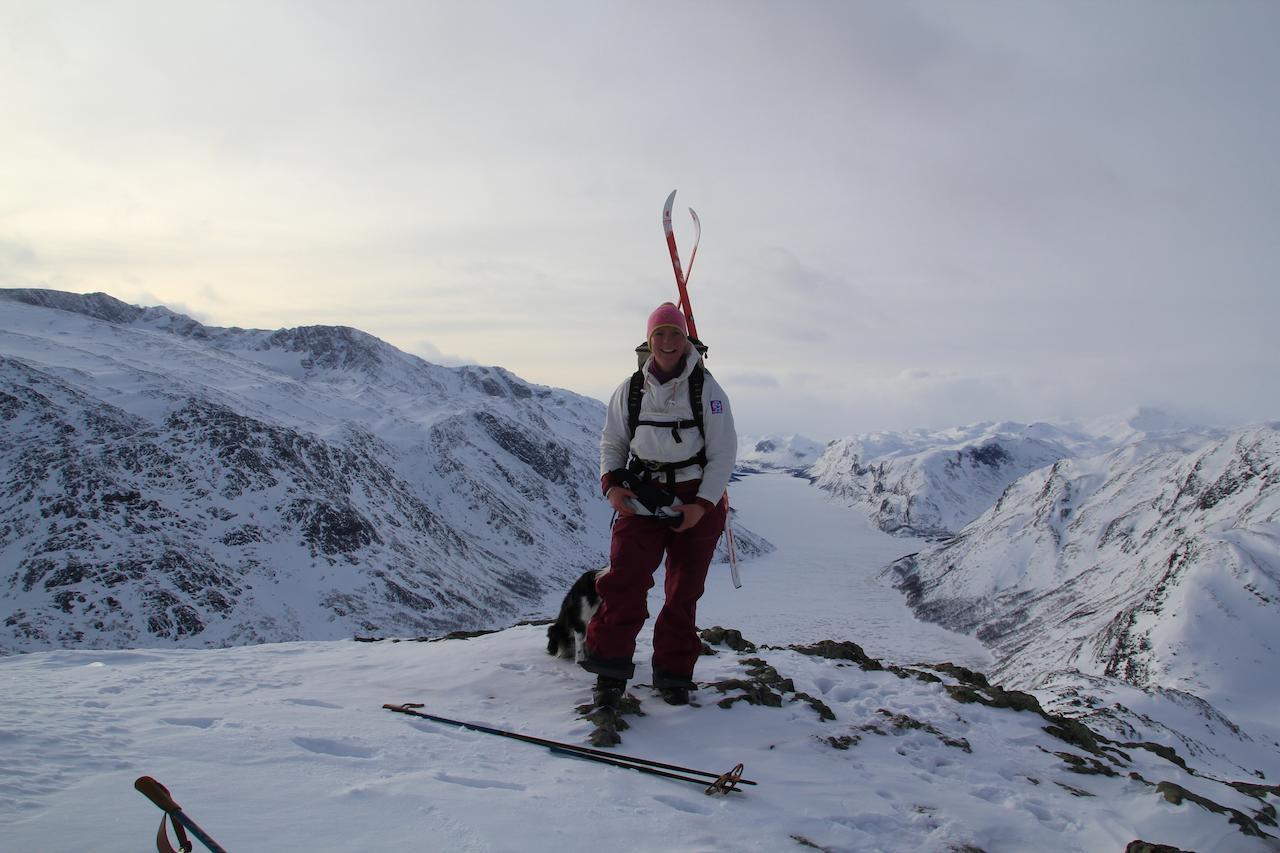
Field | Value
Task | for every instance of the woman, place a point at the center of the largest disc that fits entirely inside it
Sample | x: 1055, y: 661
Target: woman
x: 688, y: 457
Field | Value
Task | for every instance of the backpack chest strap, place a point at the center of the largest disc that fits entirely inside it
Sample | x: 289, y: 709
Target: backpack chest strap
x: 674, y: 426
x: 650, y: 470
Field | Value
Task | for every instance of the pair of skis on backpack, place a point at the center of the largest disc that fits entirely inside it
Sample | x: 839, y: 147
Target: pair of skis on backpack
x: 682, y: 281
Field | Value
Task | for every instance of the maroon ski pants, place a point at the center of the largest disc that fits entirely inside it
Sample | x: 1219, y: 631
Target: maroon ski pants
x: 634, y: 556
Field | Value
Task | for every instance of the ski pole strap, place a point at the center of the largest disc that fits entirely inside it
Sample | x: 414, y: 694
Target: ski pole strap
x: 727, y: 782
x: 162, y: 838
x: 159, y: 794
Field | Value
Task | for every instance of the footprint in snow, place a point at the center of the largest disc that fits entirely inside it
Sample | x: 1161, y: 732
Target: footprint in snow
x: 324, y: 746
x: 478, y: 783
x: 313, y: 703
x: 681, y: 804
x: 194, y: 722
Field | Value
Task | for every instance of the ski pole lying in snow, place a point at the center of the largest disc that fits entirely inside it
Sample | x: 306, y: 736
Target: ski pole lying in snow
x: 159, y: 794
x: 721, y: 783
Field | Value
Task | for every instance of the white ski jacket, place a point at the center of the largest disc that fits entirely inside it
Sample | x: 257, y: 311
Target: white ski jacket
x: 669, y: 402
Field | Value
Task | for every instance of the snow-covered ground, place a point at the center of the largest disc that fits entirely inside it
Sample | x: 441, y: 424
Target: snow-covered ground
x: 822, y: 583
x: 286, y: 747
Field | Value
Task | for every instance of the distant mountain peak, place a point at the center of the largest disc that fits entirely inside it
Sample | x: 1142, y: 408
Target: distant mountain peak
x: 332, y: 347
x: 1141, y: 422
x: 784, y: 452
x: 100, y: 306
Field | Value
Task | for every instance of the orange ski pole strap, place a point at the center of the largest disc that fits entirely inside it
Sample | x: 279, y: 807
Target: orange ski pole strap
x: 159, y: 794
x: 727, y: 782
x: 162, y: 838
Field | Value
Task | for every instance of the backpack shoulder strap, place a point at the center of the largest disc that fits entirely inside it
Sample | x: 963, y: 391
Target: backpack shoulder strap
x: 634, y: 394
x: 636, y: 391
x: 696, y: 377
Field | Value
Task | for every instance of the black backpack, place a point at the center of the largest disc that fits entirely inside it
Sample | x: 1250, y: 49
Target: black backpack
x: 634, y: 394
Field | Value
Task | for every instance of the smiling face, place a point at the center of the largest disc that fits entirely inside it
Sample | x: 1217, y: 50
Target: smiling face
x: 668, y: 345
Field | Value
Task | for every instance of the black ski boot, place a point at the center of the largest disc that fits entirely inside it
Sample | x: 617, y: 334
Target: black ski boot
x: 673, y: 688
x: 608, y: 692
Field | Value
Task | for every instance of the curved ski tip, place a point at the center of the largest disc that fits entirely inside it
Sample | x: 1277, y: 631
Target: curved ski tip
x: 670, y: 199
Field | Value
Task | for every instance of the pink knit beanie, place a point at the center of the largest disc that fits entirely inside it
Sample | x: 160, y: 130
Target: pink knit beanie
x: 666, y: 314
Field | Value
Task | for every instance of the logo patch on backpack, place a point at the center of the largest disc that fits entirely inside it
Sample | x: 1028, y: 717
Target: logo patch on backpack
x: 717, y: 407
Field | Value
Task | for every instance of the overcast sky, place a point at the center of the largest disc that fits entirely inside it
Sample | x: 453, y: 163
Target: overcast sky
x: 914, y: 214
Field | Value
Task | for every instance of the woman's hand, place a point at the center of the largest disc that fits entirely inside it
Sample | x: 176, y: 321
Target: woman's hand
x: 619, y: 498
x: 693, y: 513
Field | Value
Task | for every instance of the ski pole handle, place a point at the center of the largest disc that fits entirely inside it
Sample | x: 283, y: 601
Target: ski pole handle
x: 160, y: 796
x: 156, y: 793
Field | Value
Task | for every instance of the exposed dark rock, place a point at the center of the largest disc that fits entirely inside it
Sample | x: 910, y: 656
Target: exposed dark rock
x: 833, y: 650
x: 1177, y: 794
x: 727, y: 637
x: 992, y: 455
x: 823, y: 709
x: 1072, y: 790
x: 609, y: 722
x: 751, y: 692
x: 1253, y: 789
x: 331, y: 529
x: 1137, y: 846
x: 1168, y: 753
x: 961, y: 674
x: 548, y: 459
x: 905, y: 721
x: 843, y: 741
x: 1085, y: 765
x: 761, y: 672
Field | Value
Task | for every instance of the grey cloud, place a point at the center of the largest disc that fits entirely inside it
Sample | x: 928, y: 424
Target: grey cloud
x: 16, y: 258
x: 1028, y: 207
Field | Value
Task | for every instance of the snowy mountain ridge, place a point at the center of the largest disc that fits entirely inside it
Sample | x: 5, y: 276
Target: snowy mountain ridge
x: 933, y: 483
x: 1154, y: 566
x: 792, y: 453
x: 168, y: 481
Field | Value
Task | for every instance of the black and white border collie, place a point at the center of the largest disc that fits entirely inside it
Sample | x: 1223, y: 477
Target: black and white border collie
x: 567, y: 636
